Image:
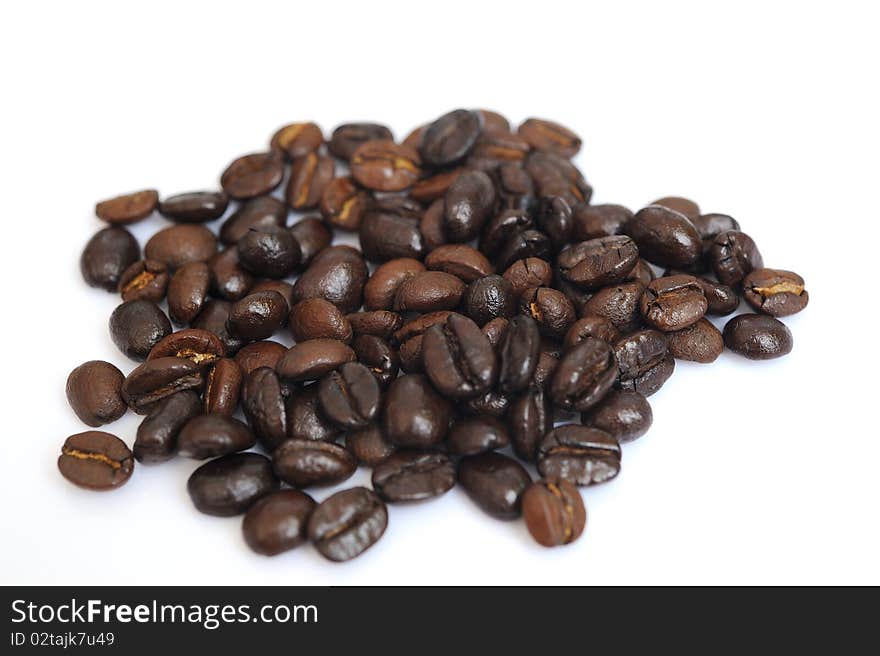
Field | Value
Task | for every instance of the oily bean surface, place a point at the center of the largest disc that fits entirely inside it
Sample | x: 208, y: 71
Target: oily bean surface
x: 673, y: 303
x: 94, y: 393
x: 309, y: 177
x: 529, y: 272
x: 413, y: 476
x: 265, y: 353
x: 550, y: 308
x: 488, y: 298
x: 734, y: 255
x: 595, y: 221
x: 313, y: 237
x: 313, y: 359
x: 458, y: 358
x: 107, y: 255
x: 665, y: 237
x: 223, y: 387
x: 461, y: 260
x: 253, y: 175
x: 315, y: 318
x: 305, y: 420
x: 255, y: 213
x: 590, y: 325
x: 180, y: 244
x: 387, y: 235
x: 188, y: 291
x: 128, y: 208
x: 584, y: 375
x: 468, y: 203
x: 277, y: 522
x: 369, y: 445
x: 775, y: 292
x: 229, y: 280
x: 230, y: 485
x: 473, y: 435
x: 157, y: 379
x: 625, y: 415
x: 529, y: 418
x: 554, y: 512
x: 382, y: 285
x: 258, y: 315
x: 758, y: 337
x: 95, y: 460
x: 269, y: 251
x: 495, y: 482
x: 337, y: 274
x: 414, y: 414
x: 598, y: 262
x: 200, y: 346
x: 263, y: 402
x: 144, y: 280
x: 385, y: 166
x: 137, y: 326
x: 450, y: 138
x: 212, y: 436
x: 429, y: 291
x: 194, y: 206
x: 304, y: 463
x: 347, y: 523
x: 700, y: 342
x: 349, y: 396
x: 582, y: 455
x: 157, y: 435
x: 519, y: 354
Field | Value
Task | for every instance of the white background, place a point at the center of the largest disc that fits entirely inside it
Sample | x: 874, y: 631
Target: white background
x: 752, y: 472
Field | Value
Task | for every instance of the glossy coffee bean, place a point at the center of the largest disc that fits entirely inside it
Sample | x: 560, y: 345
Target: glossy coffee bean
x: 529, y: 272
x: 230, y: 485
x: 721, y: 299
x: 202, y: 347
x: 380, y: 323
x: 623, y: 414
x: 257, y: 315
x: 157, y: 435
x: 194, y: 206
x: 547, y: 363
x: 280, y: 286
x: 94, y: 393
x: 337, y: 274
x: 431, y: 224
x: 472, y: 435
x: 459, y: 360
x: 584, y: 375
x: 775, y: 292
x: 144, y: 280
x: 429, y: 291
x: 313, y: 359
x: 758, y: 337
x: 179, y: 244
x: 304, y: 463
x: 213, y: 319
x: 253, y: 175
x: 681, y: 205
x: 620, y: 304
x: 596, y: 221
x: 347, y: 523
x: 599, y: 262
x: 581, y: 455
x: 297, y: 139
x: 554, y: 218
x: 414, y: 414
x: 700, y: 342
x: 313, y: 237
x: 157, y: 379
x: 547, y: 135
x: 106, y: 256
x: 495, y: 482
x: 501, y: 228
x: 380, y: 358
x: 673, y: 303
x: 462, y: 261
x: 315, y: 318
x: 95, y: 460
x: 642, y: 273
x: 256, y: 213
x: 265, y: 353
x: 277, y: 522
x: 553, y: 174
x: 529, y: 418
x: 733, y: 256
x: 519, y: 354
x: 385, y: 166
x: 346, y: 138
x: 554, y: 512
x: 369, y: 445
x: 128, y: 208
x: 309, y: 176
x: 270, y: 252
x: 469, y: 203
x: 387, y: 235
x: 495, y: 331
x: 489, y: 297
x: 550, y: 308
x: 432, y: 188
x: 137, y: 326
x: 305, y: 421
x: 590, y: 325
x: 229, y: 280
x: 413, y: 476
x: 450, y: 138
x: 343, y: 204
x: 381, y: 287
x: 213, y: 435
x: 223, y: 388
x: 711, y: 225
x: 644, y: 361
x: 349, y: 396
x: 188, y: 291
x: 665, y: 237
x: 263, y: 402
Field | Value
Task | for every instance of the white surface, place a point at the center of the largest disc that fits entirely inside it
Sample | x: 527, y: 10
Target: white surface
x: 752, y: 472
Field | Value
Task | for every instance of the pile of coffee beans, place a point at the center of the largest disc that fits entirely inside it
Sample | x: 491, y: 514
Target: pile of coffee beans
x: 495, y: 330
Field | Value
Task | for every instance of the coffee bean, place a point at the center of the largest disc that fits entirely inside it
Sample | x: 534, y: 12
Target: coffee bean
x: 550, y: 308
x: 462, y: 261
x: 253, y: 175
x: 157, y: 435
x: 265, y: 353
x: 711, y: 225
x: 313, y: 359
x: 758, y: 337
x: 474, y: 435
x: 701, y: 342
x: 489, y: 297
x: 681, y: 205
x: 315, y: 318
x: 584, y: 375
x: 128, y: 208
x: 349, y: 397
x: 187, y: 291
x: 230, y: 485
x: 665, y: 237
x: 733, y: 256
x: 458, y: 358
x: 380, y: 289
x: 673, y: 303
x: 258, y: 315
x: 553, y: 174
x: 199, y: 346
x: 644, y: 361
x: 343, y: 204
x: 599, y: 262
x: 385, y: 236
x: 547, y: 135
x: 304, y: 463
x: 180, y: 244
x: 385, y: 166
x: 529, y: 418
x: 263, y: 402
x: 305, y: 421
x: 775, y: 292
x: 525, y: 244
x: 256, y: 213
x: 309, y: 176
x: 529, y: 272
x: 369, y: 445
x: 379, y: 357
x: 347, y: 523
x: 496, y: 147
x: 280, y: 286
x: 194, y: 206
x: 414, y: 414
x: 501, y: 228
x: 495, y: 331
x: 106, y: 256
x: 469, y: 203
x: 144, y: 280
x: 623, y: 414
x: 349, y: 136
x: 434, y: 187
x: 642, y: 273
x: 721, y: 299
x: 270, y: 251
x: 554, y: 512
x: 213, y: 318
x: 95, y: 460
x: 338, y: 274
x: 157, y: 379
x: 429, y: 291
x: 223, y: 388
x: 413, y: 476
x: 495, y: 482
x: 380, y: 323
x: 579, y: 454
x: 277, y: 522
x: 137, y: 326
x: 431, y: 224
x: 313, y: 237
x: 590, y: 325
x: 519, y: 354
x: 93, y: 391
x: 596, y: 221
x: 213, y: 435
x: 554, y: 218
x: 619, y: 304
x: 229, y: 280
x: 297, y: 139
x: 450, y: 138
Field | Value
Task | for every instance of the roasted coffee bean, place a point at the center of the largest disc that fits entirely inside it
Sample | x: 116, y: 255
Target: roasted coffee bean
x: 380, y: 289
x: 529, y: 418
x: 128, y: 208
x: 458, y: 358
x: 550, y: 308
x: 554, y: 512
x: 265, y: 353
x: 229, y: 280
x: 313, y: 359
x: 106, y: 256
x: 95, y: 460
x: 349, y: 397
x: 489, y: 297
x: 644, y: 361
x: 623, y: 414
x: 194, y: 206
x: 137, y: 326
x: 553, y: 175
x: 721, y: 299
x: 469, y: 203
x: 380, y: 323
x: 313, y: 237
x: 385, y: 166
x: 230, y: 485
x: 315, y: 318
x: 775, y: 292
x: 349, y: 136
x: 180, y: 244
x: 202, y: 347
x: 547, y: 135
x: 379, y: 357
x: 515, y: 188
x: 414, y: 138
x: 430, y: 189
x: 297, y: 139
x: 734, y: 255
x: 547, y: 364
x: 554, y: 218
x: 495, y: 331
x: 188, y: 291
x: 496, y: 147
x: 263, y: 402
x: 304, y: 463
x: 619, y: 304
x: 277, y: 522
x: 213, y: 319
x: 450, y: 138
x: 429, y: 291
x: 665, y: 237
x: 431, y: 225
x: 711, y: 225
x: 758, y: 337
x: 529, y: 272
x: 369, y: 445
x: 460, y: 260
x: 413, y: 476
x: 420, y: 324
x: 579, y: 454
x: 157, y: 379
x: 253, y: 175
x: 257, y: 213
x: 477, y: 434
x: 599, y: 262
x: 414, y: 414
x: 495, y: 482
x: 411, y: 355
x: 309, y: 176
x: 493, y: 121
x: 584, y: 375
x: 526, y: 244
x: 490, y: 404
x: 590, y: 325
x: 347, y: 523
x: 501, y: 228
x: 673, y: 303
x: 280, y: 286
x: 270, y: 251
x: 158, y: 433
x: 343, y: 204
x: 305, y: 421
x: 223, y: 388
x: 94, y: 393
x: 337, y: 274
x: 144, y: 280
x: 681, y: 205
x: 700, y: 342
x: 257, y: 315
x: 519, y: 354
x: 642, y: 273
x: 595, y: 221
x: 385, y: 236
x: 397, y: 204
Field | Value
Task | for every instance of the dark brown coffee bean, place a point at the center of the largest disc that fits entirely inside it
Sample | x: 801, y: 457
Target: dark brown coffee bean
x: 547, y: 364
x: 721, y: 299
x: 519, y: 354
x: 211, y: 436
x: 623, y: 414
x: 277, y: 522
x: 553, y: 217
x: 584, y: 375
x: 501, y: 228
x: 775, y: 292
x: 338, y: 274
x: 758, y: 337
x: 309, y: 175
x: 460, y: 260
x: 144, y: 280
x: 304, y: 463
x: 491, y: 404
x: 181, y: 244
x: 263, y: 402
x: 265, y: 353
x: 256, y: 213
x: 379, y: 357
x: 523, y: 245
x: 420, y: 324
x: 665, y: 237
x: 495, y: 331
x: 194, y: 206
x: 313, y: 237
x: 95, y: 460
x: 428, y: 190
x: 347, y: 523
x: 297, y: 139
x: 380, y: 323
x: 469, y: 203
x: 257, y: 315
x: 429, y: 291
x: 529, y: 418
x: 528, y: 272
x: 343, y: 204
x: 579, y: 454
x: 595, y: 221
x: 644, y: 361
x: 413, y: 476
x: 619, y: 304
x: 253, y: 175
x: 380, y: 289
x: 349, y: 136
x: 94, y: 393
x: 458, y: 358
x: 414, y: 414
x: 270, y: 251
x: 315, y: 318
x: 497, y: 147
x: 554, y: 175
x: 137, y: 326
x: 229, y: 280
x: 369, y: 445
x: 550, y: 308
x: 106, y: 256
x: 681, y: 205
x: 430, y: 228
x: 554, y: 512
x: 701, y: 342
x: 547, y: 135
x: 280, y: 286
x: 489, y: 297
x: 711, y: 225
x: 157, y: 379
x: 642, y: 273
x: 495, y: 482
x: 474, y: 435
x: 733, y: 256
x: 599, y: 262
x: 230, y: 485
x: 385, y: 236
x: 313, y: 359
x: 450, y: 138
x: 128, y: 208
x: 213, y: 319
x: 157, y: 435
x: 349, y: 397
x: 493, y: 121
x: 187, y: 291
x: 202, y: 347
x: 223, y: 388
x: 305, y: 421
x: 385, y: 166
x: 591, y: 325
x: 673, y: 303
